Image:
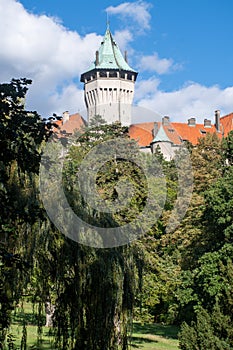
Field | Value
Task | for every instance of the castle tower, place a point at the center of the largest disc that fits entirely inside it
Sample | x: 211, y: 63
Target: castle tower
x: 109, y: 84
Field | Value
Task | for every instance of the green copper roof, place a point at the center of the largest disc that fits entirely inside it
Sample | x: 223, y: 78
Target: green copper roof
x: 161, y: 136
x: 110, y: 56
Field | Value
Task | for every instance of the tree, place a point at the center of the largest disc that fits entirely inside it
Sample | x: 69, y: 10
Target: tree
x: 22, y: 133
x: 227, y: 144
x: 93, y: 289
x: 207, y: 160
x: 206, y: 227
x: 219, y: 210
x: 211, y: 280
x: 210, y: 331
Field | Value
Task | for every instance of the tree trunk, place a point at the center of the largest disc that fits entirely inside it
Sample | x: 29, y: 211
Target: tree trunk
x: 49, y: 310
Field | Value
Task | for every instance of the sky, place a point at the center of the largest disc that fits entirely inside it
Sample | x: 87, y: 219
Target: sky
x: 182, y: 50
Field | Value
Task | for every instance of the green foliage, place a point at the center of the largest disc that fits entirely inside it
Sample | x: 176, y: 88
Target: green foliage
x: 228, y: 148
x: 219, y: 208
x: 210, y: 275
x: 199, y: 250
x: 160, y: 273
x: 110, y: 175
x: 210, y: 331
x: 183, y: 275
x: 207, y: 160
x: 22, y: 133
x: 93, y: 290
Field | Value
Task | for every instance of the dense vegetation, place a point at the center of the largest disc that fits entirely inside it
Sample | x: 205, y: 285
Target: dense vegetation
x: 182, y: 277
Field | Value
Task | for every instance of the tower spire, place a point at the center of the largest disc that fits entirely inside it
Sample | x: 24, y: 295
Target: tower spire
x: 109, y: 83
x: 107, y: 21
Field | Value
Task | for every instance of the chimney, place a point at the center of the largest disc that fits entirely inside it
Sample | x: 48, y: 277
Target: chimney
x: 166, y: 120
x: 156, y: 129
x: 207, y: 123
x: 97, y: 60
x: 126, y: 57
x: 192, y: 121
x: 217, y: 120
x: 65, y: 117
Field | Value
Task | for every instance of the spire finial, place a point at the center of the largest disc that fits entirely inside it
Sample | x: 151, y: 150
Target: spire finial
x: 108, y: 22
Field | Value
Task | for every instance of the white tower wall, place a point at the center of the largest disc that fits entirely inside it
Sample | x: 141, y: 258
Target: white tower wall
x: 111, y: 98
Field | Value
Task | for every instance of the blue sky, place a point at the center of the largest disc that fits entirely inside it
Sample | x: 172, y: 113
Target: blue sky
x: 182, y: 49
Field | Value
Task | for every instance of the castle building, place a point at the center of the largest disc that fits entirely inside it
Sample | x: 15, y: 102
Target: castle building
x: 169, y: 136
x: 108, y: 92
x: 109, y: 84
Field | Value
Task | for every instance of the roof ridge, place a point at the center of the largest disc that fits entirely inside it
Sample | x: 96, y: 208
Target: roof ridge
x: 227, y: 115
x: 114, y: 43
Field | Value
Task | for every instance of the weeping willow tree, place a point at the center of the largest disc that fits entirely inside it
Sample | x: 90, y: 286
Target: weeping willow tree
x: 93, y: 292
x: 93, y: 288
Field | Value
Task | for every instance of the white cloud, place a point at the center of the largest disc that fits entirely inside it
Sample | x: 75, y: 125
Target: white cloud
x: 123, y: 38
x: 137, y: 11
x: 192, y: 100
x: 67, y: 98
x: 145, y: 89
x: 40, y: 48
x: 153, y: 63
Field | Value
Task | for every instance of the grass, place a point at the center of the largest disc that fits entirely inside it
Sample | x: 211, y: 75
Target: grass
x: 154, y: 337
x: 144, y: 337
x: 45, y: 342
x: 25, y: 314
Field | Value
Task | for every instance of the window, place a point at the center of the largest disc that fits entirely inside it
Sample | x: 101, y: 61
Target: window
x: 113, y: 74
x: 103, y: 74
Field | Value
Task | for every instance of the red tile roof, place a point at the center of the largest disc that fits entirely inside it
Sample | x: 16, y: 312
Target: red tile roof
x: 75, y: 122
x: 227, y: 123
x: 194, y: 132
x: 143, y: 132
x: 172, y: 134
